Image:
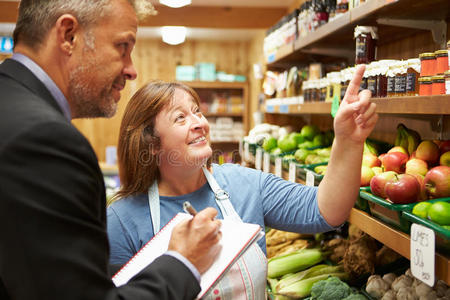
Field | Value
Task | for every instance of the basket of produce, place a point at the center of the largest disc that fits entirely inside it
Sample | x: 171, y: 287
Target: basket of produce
x: 385, y: 210
x: 317, y: 170
x: 434, y: 214
x: 336, y: 266
x: 396, y: 285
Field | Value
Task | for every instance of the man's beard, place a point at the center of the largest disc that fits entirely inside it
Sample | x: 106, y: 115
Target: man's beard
x: 91, y: 99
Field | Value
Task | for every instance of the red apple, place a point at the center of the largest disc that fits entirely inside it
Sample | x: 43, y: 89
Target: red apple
x: 416, y: 166
x: 423, y: 191
x: 380, y: 157
x: 444, y: 160
x: 395, y: 161
x: 370, y: 160
x: 428, y: 151
x: 413, y: 155
x: 366, y: 175
x: 398, y: 149
x: 444, y: 146
x: 437, y: 182
x: 378, y: 182
x: 402, y: 189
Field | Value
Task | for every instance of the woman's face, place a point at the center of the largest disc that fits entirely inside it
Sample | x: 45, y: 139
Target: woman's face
x: 183, y: 132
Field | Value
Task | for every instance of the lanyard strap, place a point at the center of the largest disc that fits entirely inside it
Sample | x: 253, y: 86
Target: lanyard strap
x: 221, y: 196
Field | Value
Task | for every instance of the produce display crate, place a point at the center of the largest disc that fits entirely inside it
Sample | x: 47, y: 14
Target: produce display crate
x: 397, y: 215
x: 274, y: 156
x: 302, y: 169
x: 445, y: 233
x: 386, y: 211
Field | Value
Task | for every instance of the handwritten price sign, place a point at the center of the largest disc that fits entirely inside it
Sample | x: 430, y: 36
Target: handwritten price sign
x: 422, y: 253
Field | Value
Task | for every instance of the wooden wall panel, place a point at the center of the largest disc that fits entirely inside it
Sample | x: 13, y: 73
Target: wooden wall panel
x: 154, y: 59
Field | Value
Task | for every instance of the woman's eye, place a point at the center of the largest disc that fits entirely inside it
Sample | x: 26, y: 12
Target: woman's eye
x: 179, y: 118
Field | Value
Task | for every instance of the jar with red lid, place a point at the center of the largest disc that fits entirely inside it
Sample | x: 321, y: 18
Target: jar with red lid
x: 441, y: 61
x: 425, y: 84
x: 447, y: 82
x: 438, y: 85
x: 427, y: 64
x: 366, y: 43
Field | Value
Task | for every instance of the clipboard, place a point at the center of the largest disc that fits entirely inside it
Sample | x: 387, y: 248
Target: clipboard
x: 236, y: 238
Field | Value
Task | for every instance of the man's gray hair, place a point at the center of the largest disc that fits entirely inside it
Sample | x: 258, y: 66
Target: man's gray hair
x: 36, y: 17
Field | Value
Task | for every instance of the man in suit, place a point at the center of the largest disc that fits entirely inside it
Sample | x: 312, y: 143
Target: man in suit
x: 72, y: 59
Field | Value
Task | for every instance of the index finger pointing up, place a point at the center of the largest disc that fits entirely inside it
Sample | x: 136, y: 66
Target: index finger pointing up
x: 351, y: 94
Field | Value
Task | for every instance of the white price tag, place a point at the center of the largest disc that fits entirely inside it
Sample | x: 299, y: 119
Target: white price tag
x: 292, y: 171
x: 278, y: 167
x: 246, y: 152
x: 422, y: 253
x: 266, y: 162
x: 309, y: 178
x: 258, y: 159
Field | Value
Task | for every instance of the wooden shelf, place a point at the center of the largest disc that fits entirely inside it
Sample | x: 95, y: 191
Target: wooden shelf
x: 335, y: 38
x: 421, y: 105
x: 396, y: 240
x: 215, y: 84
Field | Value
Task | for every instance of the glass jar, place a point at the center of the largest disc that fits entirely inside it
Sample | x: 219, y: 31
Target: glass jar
x: 412, y: 77
x: 314, y: 90
x: 438, y: 85
x: 400, y: 79
x: 323, y: 89
x: 383, y: 69
x: 306, y: 91
x: 344, y: 83
x: 372, y: 70
x: 448, y: 53
x: 447, y: 82
x: 425, y: 84
x: 427, y: 64
x: 441, y: 61
x: 341, y: 7
x: 366, y: 41
x: 390, y: 87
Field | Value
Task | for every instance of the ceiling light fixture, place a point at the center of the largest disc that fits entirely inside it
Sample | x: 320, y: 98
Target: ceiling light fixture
x: 173, y: 35
x: 175, y: 3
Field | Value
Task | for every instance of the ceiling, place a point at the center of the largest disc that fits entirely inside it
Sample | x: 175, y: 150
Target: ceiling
x: 205, y: 19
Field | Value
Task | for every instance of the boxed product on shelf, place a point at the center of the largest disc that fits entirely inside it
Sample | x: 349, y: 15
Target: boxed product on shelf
x: 205, y: 71
x: 185, y: 73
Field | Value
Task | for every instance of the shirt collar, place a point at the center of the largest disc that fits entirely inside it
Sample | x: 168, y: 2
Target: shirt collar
x: 47, y: 81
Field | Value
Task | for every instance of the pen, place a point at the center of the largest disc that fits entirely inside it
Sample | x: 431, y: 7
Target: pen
x: 187, y: 207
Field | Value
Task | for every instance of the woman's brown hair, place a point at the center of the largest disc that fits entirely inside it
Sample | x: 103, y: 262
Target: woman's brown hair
x: 138, y: 167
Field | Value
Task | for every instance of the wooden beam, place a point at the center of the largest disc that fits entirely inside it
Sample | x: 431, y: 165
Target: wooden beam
x: 8, y: 11
x: 216, y: 17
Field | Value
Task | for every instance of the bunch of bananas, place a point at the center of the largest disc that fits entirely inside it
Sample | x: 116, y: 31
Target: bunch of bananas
x: 407, y: 138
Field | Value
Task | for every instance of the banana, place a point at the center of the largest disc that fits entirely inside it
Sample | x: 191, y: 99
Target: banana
x: 413, y: 140
x: 402, y: 131
x: 370, y: 148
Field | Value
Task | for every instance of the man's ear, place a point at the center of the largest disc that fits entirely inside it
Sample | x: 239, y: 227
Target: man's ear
x: 67, y: 28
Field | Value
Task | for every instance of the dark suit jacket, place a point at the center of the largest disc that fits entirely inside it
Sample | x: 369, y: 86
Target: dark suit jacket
x: 53, y: 242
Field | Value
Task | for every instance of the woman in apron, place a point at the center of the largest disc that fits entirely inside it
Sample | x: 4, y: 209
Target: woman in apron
x: 164, y: 154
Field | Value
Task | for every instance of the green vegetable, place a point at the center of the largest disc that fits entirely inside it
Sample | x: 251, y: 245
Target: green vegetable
x: 308, y: 273
x: 304, y: 287
x: 293, y: 262
x: 355, y: 296
x: 331, y: 289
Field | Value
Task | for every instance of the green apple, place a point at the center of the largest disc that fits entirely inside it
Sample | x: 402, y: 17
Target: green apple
x: 444, y: 160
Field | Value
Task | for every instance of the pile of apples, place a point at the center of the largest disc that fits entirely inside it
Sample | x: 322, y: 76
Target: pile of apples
x: 406, y: 178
